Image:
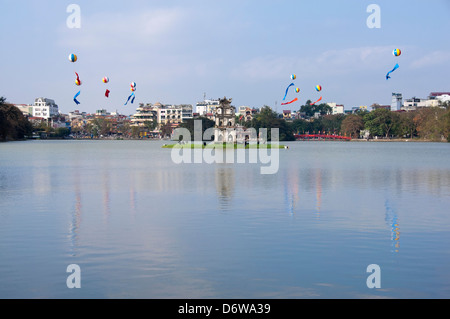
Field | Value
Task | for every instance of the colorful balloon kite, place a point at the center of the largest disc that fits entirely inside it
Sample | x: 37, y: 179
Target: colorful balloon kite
x: 397, y: 52
x: 293, y: 77
x: 106, y: 80
x: 297, y: 90
x: 318, y: 88
x: 73, y: 58
x: 132, y: 96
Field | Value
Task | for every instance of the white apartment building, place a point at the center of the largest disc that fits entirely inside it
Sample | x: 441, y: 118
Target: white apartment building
x: 207, y: 107
x: 417, y: 103
x: 45, y: 108
x: 336, y: 108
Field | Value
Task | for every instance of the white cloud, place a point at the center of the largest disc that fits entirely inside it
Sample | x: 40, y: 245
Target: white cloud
x: 107, y: 31
x: 431, y: 59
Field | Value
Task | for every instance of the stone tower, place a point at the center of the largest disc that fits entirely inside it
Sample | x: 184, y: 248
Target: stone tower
x: 225, y: 120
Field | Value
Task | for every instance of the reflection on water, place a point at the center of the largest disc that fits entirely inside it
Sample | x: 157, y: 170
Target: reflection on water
x: 392, y: 220
x: 159, y: 229
x: 75, y: 221
x: 225, y: 184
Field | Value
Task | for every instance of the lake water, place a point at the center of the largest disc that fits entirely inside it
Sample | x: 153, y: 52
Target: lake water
x: 140, y: 226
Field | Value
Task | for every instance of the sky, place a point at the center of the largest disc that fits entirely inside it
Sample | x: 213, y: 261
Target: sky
x: 177, y: 51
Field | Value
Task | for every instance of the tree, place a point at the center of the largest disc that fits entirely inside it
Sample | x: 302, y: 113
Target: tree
x: 431, y: 123
x: 352, y: 125
x: 190, y: 125
x: 380, y: 122
x: 13, y: 125
x: 407, y: 126
x: 332, y: 123
x: 268, y: 119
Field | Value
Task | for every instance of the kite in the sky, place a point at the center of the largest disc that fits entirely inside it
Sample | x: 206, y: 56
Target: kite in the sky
x: 106, y: 80
x: 397, y: 52
x: 318, y: 88
x: 395, y: 68
x: 132, y: 101
x: 292, y: 84
x: 77, y: 81
x: 297, y: 90
x: 293, y: 77
x: 73, y: 58
x: 294, y: 100
x: 75, y: 97
x: 133, y: 88
x: 320, y: 99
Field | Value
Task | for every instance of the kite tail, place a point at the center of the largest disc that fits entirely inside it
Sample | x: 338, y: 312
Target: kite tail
x: 294, y: 100
x: 317, y: 101
x: 292, y: 84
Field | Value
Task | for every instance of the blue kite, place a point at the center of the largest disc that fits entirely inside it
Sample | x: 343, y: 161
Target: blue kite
x: 75, y: 98
x: 395, y: 68
x: 132, y: 101
x: 292, y: 84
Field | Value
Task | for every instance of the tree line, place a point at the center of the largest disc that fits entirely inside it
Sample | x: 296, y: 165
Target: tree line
x: 431, y: 123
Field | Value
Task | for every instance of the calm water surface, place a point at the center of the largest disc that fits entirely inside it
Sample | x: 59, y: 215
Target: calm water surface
x: 140, y: 226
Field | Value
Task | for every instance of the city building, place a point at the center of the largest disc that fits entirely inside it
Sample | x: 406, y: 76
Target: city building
x: 336, y: 108
x: 144, y: 114
x: 246, y: 113
x: 169, y: 114
x: 442, y: 97
x: 417, y: 103
x: 44, y: 108
x: 27, y: 110
x: 207, y: 106
x: 397, y: 102
x: 377, y: 106
x: 287, y: 115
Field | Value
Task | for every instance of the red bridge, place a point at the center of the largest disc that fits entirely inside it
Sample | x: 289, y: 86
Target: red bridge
x: 321, y: 137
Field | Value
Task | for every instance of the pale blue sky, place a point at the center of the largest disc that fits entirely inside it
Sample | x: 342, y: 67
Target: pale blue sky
x: 177, y: 50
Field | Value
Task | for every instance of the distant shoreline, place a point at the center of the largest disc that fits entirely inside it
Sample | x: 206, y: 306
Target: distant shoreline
x: 405, y: 140
x: 398, y: 140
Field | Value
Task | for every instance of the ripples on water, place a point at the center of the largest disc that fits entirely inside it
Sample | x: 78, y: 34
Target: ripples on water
x: 140, y: 226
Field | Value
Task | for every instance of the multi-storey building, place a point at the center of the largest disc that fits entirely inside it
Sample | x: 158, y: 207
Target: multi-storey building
x: 207, y: 106
x: 397, y: 102
x: 44, y: 108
